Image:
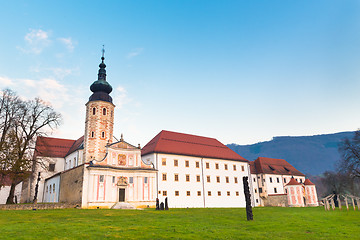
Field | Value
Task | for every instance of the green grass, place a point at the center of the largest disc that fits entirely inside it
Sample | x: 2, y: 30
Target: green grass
x: 269, y: 223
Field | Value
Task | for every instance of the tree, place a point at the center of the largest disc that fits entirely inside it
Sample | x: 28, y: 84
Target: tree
x: 32, y: 118
x: 350, y: 151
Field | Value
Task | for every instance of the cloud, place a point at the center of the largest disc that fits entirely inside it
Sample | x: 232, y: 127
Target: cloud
x: 121, y: 97
x: 6, y: 82
x: 36, y: 40
x: 68, y: 42
x: 135, y: 52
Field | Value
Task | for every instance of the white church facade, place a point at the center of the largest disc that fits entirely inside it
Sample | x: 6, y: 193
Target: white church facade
x: 96, y: 171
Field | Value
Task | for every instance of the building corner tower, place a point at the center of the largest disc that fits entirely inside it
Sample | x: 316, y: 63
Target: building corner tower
x: 99, y: 120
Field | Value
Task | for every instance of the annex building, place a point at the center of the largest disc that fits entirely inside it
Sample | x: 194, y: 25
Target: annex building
x: 97, y: 170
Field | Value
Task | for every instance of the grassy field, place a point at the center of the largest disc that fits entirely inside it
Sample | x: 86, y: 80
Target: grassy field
x: 269, y: 223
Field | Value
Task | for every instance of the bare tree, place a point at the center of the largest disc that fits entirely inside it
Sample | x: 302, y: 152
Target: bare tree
x: 31, y: 119
x: 350, y: 151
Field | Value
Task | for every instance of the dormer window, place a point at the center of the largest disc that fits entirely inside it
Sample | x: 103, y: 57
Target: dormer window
x: 94, y: 111
x: 272, y: 169
x: 286, y: 169
x: 104, y: 111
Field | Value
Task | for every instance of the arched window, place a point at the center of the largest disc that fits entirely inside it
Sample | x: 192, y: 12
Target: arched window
x: 104, y: 111
x: 94, y: 111
x: 92, y: 134
x: 103, y: 134
x: 54, y: 187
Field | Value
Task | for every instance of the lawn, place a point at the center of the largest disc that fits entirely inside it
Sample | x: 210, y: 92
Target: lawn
x: 269, y: 223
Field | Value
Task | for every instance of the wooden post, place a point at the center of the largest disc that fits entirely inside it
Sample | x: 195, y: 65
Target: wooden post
x: 346, y: 203
x: 328, y: 204
x: 339, y: 201
x: 332, y: 203
x: 353, y: 203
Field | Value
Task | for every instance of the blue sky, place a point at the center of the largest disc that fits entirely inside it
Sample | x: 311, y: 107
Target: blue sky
x: 238, y: 71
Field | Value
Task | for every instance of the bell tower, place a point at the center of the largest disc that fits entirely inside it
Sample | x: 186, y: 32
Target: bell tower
x: 99, y: 120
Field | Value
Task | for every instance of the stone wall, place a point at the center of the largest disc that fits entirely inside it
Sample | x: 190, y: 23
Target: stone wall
x: 38, y: 206
x: 279, y: 200
x: 71, y: 183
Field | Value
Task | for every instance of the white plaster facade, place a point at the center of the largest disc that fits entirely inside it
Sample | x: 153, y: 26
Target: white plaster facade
x: 5, y: 190
x: 51, y: 189
x: 199, y: 182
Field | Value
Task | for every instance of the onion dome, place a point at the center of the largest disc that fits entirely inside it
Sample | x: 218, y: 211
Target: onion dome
x: 101, y: 88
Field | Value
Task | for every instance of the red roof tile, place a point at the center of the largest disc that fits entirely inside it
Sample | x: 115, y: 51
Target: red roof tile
x: 52, y: 147
x: 76, y: 145
x: 308, y: 182
x: 252, y: 167
x: 190, y: 145
x: 293, y: 182
x: 275, y: 166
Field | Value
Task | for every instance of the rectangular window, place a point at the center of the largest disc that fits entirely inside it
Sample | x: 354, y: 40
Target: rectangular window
x: 198, y: 178
x: 271, y: 179
x: 227, y: 179
x: 176, y: 193
x: 275, y: 190
x: 113, y: 179
x: 237, y: 193
x: 216, y: 165
x: 164, y: 176
x: 207, y: 178
x: 219, y: 193
x: 300, y: 180
x: 257, y: 201
x: 242, y: 168
x: 209, y: 193
x: 163, y: 161
x: 51, y: 167
x: 187, y: 193
x: 284, y: 180
x: 207, y: 165
x: 131, y: 180
x: 254, y: 179
x: 199, y: 193
x: 101, y: 179
x: 278, y: 180
x: 164, y: 193
x: 186, y: 163
x: 218, y: 179
x: 145, y: 180
x: 235, y: 180
x: 260, y: 190
x: 159, y: 192
x: 176, y: 163
x: 176, y: 177
x: 197, y: 164
x: 188, y: 177
x: 225, y: 166
x: 234, y: 167
x: 255, y: 190
x: 228, y: 193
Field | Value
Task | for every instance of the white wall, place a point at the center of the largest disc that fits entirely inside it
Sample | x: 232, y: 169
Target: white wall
x: 73, y: 159
x: 49, y: 194
x: 4, y: 193
x: 183, y: 186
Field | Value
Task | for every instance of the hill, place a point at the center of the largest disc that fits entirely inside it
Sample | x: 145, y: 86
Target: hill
x: 309, y: 154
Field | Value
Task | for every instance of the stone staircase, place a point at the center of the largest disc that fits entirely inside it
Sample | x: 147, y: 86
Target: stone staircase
x: 123, y: 205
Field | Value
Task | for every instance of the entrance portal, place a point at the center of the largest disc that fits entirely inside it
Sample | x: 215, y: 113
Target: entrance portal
x: 121, y: 194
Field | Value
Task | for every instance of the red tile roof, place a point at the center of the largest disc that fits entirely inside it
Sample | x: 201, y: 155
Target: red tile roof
x: 252, y: 167
x: 53, y: 147
x: 275, y: 166
x: 308, y: 182
x: 190, y: 145
x: 293, y: 182
x: 76, y: 145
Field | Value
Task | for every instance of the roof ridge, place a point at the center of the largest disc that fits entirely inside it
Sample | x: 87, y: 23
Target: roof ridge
x: 168, y: 139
